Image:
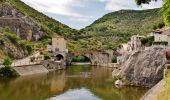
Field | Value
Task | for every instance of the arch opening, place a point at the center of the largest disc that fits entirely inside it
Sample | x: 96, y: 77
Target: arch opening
x: 81, y: 60
x: 59, y: 57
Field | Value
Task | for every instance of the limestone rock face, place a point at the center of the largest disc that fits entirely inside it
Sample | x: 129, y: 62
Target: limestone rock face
x: 144, y: 68
x: 19, y: 23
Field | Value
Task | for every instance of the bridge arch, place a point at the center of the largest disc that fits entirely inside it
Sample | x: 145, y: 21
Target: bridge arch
x: 59, y: 57
x: 81, y: 58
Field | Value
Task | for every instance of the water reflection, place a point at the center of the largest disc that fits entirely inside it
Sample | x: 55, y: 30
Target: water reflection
x: 78, y: 82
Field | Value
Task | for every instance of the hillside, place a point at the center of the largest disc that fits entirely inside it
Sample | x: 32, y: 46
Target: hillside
x: 126, y: 21
x: 28, y: 24
x: 107, y: 32
x: 46, y: 23
x: 116, y: 27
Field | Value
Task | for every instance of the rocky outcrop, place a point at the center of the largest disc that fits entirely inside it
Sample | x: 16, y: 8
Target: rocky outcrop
x: 10, y: 49
x: 23, y: 26
x: 143, y: 68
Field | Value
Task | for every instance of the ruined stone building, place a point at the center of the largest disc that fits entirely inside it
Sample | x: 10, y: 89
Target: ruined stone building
x: 59, y: 43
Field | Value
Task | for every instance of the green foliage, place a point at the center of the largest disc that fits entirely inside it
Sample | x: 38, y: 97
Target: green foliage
x: 80, y: 59
x: 46, y: 55
x: 159, y: 26
x: 165, y: 9
x: 13, y: 37
x: 116, y: 28
x: 46, y: 23
x: 1, y: 41
x: 166, y: 12
x: 7, y: 72
x: 29, y: 48
x: 160, y: 42
x: 7, y: 29
x: 7, y: 61
x: 147, y: 41
x: 114, y: 59
x: 139, y: 2
x: 25, y: 45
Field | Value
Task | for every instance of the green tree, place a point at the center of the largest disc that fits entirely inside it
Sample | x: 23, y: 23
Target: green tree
x: 165, y: 9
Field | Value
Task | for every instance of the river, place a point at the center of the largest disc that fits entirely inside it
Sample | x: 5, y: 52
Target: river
x: 75, y: 83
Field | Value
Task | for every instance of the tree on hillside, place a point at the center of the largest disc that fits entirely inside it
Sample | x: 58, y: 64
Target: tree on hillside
x: 165, y: 9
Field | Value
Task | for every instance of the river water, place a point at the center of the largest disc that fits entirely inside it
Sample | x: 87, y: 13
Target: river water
x: 75, y: 83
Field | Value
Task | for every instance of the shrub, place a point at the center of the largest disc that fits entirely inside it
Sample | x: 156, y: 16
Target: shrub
x: 12, y: 37
x: 7, y: 61
x: 1, y: 41
x: 114, y: 59
x: 147, y: 41
x: 160, y: 43
x: 7, y: 72
x: 25, y: 45
x: 46, y: 57
x: 29, y: 48
x: 7, y: 29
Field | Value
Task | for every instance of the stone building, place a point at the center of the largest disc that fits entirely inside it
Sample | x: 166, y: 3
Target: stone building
x: 161, y: 35
x: 59, y: 43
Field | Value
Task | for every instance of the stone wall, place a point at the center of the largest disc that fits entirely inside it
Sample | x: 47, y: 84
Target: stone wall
x: 52, y: 65
x: 30, y: 70
x: 96, y: 58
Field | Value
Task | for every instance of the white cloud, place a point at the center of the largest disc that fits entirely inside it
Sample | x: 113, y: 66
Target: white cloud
x: 58, y: 7
x: 80, y: 13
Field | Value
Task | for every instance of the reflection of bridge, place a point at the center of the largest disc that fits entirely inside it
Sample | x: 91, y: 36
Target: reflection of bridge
x: 97, y: 58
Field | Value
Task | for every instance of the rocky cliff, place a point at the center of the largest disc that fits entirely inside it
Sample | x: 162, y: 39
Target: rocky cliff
x: 20, y: 24
x: 143, y: 68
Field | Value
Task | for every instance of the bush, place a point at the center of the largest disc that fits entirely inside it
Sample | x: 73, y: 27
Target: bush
x: 147, y: 41
x: 46, y: 57
x: 114, y: 60
x: 7, y: 29
x: 7, y: 72
x: 29, y: 48
x: 25, y: 45
x: 13, y: 37
x: 160, y: 43
x: 7, y: 61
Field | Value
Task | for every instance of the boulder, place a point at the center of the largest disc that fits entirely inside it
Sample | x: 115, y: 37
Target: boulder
x: 144, y: 68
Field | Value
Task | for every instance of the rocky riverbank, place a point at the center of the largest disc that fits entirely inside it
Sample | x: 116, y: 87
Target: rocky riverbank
x: 142, y: 68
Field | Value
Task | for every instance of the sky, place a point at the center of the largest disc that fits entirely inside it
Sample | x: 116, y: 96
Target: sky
x: 78, y: 14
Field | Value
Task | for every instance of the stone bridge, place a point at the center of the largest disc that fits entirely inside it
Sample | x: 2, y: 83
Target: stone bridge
x: 97, y: 58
